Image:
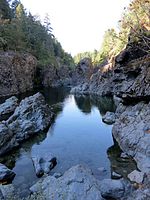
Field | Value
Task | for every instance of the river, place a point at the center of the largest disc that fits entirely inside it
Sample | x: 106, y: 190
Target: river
x: 77, y: 135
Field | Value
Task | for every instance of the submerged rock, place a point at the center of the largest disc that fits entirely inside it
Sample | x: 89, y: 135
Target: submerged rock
x: 30, y: 117
x: 6, y: 174
x: 77, y: 183
x: 44, y: 163
x: 109, y: 118
x: 8, y: 107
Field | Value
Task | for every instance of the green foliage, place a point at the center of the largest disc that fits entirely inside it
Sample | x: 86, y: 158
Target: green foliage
x: 24, y: 32
x: 5, y: 11
x: 134, y: 26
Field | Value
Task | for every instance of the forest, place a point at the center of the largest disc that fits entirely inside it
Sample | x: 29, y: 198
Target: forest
x: 23, y: 32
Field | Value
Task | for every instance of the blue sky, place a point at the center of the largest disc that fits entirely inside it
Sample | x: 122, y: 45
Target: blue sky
x: 79, y: 25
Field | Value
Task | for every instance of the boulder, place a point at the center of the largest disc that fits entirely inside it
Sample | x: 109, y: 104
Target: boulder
x: 44, y: 163
x: 77, y: 183
x: 109, y: 118
x: 17, y: 72
x: 30, y: 117
x: 6, y: 174
x: 8, y: 107
x: 136, y: 176
x: 112, y: 189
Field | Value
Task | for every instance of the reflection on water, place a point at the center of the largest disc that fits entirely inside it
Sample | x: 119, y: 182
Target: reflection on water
x: 104, y: 104
x: 77, y: 135
x: 122, y: 166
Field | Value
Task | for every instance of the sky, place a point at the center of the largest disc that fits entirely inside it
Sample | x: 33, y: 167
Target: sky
x: 79, y: 25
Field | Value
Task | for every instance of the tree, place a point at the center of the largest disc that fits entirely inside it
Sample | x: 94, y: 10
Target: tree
x: 5, y: 11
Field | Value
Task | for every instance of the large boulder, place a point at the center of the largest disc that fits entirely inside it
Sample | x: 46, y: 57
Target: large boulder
x: 109, y: 118
x: 8, y: 107
x: 112, y: 189
x: 6, y: 174
x: 17, y: 73
x: 30, y: 117
x: 77, y: 183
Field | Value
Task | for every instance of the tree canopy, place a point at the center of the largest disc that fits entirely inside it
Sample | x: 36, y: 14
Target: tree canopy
x: 21, y: 31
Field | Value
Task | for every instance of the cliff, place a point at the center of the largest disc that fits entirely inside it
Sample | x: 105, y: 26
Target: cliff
x: 127, y: 76
x: 17, y: 73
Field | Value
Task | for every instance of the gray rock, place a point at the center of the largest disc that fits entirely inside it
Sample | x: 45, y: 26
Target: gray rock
x: 112, y: 188
x: 77, y: 183
x: 30, y: 117
x: 8, y: 192
x: 6, y: 174
x: 109, y: 118
x: 44, y: 163
x: 8, y: 107
x: 80, y: 89
x: 131, y: 130
x: 57, y: 175
x: 1, y: 195
x: 136, y: 176
x: 140, y: 194
x: 117, y: 100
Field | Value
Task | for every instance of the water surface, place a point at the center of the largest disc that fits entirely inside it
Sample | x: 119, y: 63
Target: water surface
x: 77, y: 136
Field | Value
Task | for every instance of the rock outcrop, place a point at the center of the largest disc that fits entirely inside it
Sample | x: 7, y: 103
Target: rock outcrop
x: 77, y: 183
x: 17, y: 73
x: 30, y: 117
x: 54, y: 77
x: 132, y: 132
x: 82, y: 72
x: 128, y: 77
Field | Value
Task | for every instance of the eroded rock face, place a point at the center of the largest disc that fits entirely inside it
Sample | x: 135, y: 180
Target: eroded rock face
x: 52, y: 76
x: 126, y: 77
x: 17, y: 73
x: 132, y: 132
x: 30, y: 117
x: 77, y: 183
x: 8, y: 107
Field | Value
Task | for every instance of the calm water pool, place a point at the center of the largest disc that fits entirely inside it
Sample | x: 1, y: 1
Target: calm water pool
x: 77, y: 135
